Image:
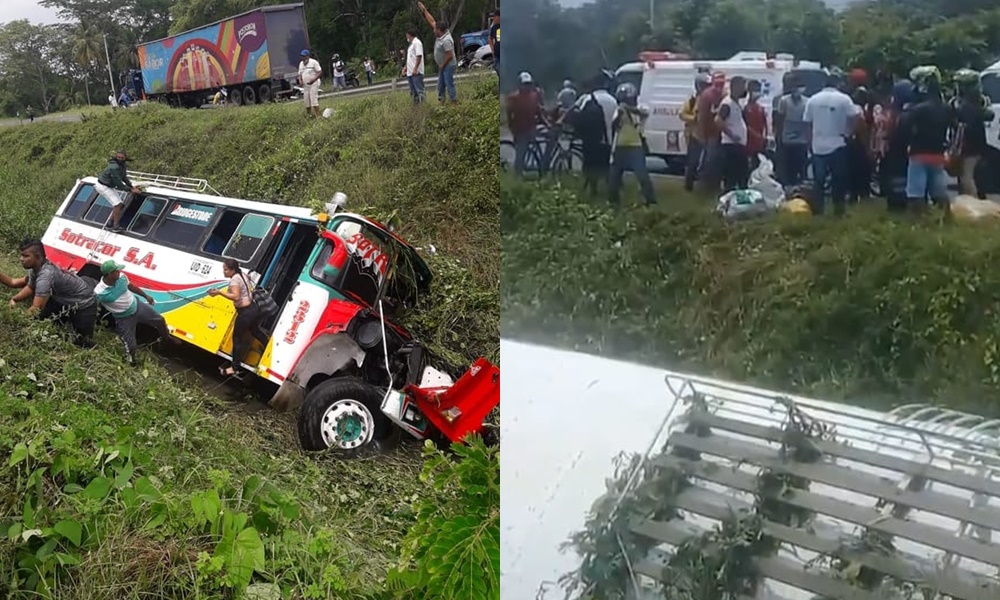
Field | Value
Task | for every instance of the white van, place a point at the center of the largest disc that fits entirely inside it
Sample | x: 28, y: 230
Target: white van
x: 665, y: 86
x: 989, y: 169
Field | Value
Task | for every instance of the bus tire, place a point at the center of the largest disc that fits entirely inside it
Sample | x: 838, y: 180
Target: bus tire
x: 249, y: 95
x: 235, y: 96
x: 344, y: 415
x: 264, y: 94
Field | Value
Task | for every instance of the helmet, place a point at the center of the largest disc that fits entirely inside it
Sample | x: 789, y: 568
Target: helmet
x: 525, y: 78
x: 702, y: 81
x: 626, y: 92
x: 567, y: 83
x: 966, y: 77
x: 925, y: 74
x: 336, y: 57
x: 902, y: 93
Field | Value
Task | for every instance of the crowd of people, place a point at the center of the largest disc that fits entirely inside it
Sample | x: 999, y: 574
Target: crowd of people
x: 906, y: 134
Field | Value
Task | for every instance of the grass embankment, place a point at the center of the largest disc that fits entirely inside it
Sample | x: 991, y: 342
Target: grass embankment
x: 127, y: 483
x: 872, y: 309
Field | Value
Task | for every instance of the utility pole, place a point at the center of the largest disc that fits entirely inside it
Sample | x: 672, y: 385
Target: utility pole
x: 111, y: 77
x: 651, y: 9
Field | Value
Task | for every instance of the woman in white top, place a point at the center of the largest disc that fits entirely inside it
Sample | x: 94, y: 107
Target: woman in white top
x: 735, y: 162
x: 248, y: 314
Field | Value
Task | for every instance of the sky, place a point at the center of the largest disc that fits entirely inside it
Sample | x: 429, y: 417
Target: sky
x: 12, y: 10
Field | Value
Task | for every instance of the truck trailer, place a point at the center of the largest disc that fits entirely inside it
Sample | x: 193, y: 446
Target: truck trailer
x: 254, y: 56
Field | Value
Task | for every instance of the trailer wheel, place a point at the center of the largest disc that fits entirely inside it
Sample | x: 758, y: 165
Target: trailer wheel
x: 264, y: 93
x: 344, y: 414
x: 235, y: 96
x: 249, y: 95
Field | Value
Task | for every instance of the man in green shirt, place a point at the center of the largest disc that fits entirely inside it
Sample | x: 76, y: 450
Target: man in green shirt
x: 118, y: 296
x: 111, y: 182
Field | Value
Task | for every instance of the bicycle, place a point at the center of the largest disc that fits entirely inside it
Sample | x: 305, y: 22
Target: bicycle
x: 566, y: 158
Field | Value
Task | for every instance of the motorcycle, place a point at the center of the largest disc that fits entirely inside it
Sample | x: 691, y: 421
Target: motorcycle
x: 351, y: 78
x: 481, y: 58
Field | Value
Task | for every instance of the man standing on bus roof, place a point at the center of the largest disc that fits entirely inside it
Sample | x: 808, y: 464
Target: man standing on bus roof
x: 118, y: 295
x: 57, y: 293
x: 309, y: 72
x: 112, y: 180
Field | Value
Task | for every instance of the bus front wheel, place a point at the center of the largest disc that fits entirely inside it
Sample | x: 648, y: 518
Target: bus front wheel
x: 344, y: 414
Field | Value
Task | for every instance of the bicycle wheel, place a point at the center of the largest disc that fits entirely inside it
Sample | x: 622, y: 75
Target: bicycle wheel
x: 508, y: 154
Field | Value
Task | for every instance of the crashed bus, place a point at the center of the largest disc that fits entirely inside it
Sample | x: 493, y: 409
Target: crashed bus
x: 339, y: 284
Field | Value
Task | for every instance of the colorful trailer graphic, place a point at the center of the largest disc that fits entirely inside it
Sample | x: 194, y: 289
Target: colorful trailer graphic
x: 256, y: 46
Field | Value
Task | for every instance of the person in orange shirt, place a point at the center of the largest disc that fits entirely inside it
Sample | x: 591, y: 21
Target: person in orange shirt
x: 695, y: 146
x: 756, y: 120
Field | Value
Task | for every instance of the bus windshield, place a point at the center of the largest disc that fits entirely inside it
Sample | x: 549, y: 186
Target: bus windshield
x: 991, y: 87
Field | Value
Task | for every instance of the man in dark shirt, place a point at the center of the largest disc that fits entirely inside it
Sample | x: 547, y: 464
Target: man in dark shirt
x: 524, y: 112
x: 926, y: 128
x: 112, y: 180
x: 495, y: 40
x: 706, y: 110
x: 57, y: 293
x: 972, y: 112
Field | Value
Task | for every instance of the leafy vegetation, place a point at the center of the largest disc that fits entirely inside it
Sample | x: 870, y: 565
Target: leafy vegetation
x: 888, y: 35
x: 57, y: 67
x: 870, y: 308
x: 128, y: 483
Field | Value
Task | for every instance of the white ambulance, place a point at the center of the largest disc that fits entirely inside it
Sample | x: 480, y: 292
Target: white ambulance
x: 666, y: 81
x: 989, y: 169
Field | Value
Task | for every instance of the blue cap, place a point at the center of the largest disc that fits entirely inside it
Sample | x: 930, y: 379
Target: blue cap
x: 304, y: 53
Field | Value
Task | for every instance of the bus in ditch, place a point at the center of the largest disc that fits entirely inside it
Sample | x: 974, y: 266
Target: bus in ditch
x: 339, y: 281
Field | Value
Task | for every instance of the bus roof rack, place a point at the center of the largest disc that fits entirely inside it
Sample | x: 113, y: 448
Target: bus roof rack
x: 183, y: 184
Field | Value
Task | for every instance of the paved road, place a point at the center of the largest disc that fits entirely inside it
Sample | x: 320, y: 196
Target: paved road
x: 381, y: 88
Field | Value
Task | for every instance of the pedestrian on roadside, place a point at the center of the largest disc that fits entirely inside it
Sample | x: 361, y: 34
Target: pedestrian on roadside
x: 524, y: 113
x: 834, y: 118
x: 710, y: 175
x: 112, y: 102
x: 734, y: 137
x: 444, y: 56
x: 118, y: 296
x: 926, y: 126
x: 494, y: 39
x: 57, y: 294
x: 592, y: 118
x: 791, y: 133
x: 309, y: 79
x: 756, y: 120
x: 628, y: 147
x: 31, y: 114
x: 692, y: 136
x: 339, y: 76
x: 369, y: 69
x: 972, y: 113
x: 414, y: 69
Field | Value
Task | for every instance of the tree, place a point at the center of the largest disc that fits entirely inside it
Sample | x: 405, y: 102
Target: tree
x: 29, y: 54
x: 87, y: 50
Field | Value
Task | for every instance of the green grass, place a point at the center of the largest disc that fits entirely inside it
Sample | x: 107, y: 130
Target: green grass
x: 873, y: 309
x: 184, y: 463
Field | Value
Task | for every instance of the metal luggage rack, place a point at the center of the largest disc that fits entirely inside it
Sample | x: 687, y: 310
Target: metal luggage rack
x: 921, y: 481
x: 182, y: 184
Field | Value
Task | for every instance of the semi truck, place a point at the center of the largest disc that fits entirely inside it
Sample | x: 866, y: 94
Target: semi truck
x: 253, y: 56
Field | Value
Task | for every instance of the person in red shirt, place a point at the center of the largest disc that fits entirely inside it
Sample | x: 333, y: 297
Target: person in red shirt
x: 756, y: 120
x: 708, y: 103
x: 524, y: 112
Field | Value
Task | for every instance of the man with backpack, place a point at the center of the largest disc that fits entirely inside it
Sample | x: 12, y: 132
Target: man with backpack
x: 592, y: 117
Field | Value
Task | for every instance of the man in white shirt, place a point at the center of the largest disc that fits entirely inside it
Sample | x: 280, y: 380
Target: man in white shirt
x: 735, y: 162
x: 339, y: 77
x: 833, y: 117
x: 414, y: 70
x: 595, y: 134
x: 309, y: 72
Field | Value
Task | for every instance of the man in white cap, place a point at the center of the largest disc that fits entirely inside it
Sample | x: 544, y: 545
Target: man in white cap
x: 309, y: 73
x: 524, y: 112
x: 118, y: 296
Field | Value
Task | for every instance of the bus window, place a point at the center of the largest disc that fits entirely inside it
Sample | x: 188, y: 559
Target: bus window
x: 248, y: 236
x: 223, y: 231
x: 81, y: 200
x: 147, y: 215
x: 184, y: 224
x: 100, y: 211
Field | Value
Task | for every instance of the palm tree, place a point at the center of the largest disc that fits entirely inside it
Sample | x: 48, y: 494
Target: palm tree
x: 87, y: 50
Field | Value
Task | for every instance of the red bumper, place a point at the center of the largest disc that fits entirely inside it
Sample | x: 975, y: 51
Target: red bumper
x: 460, y: 409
